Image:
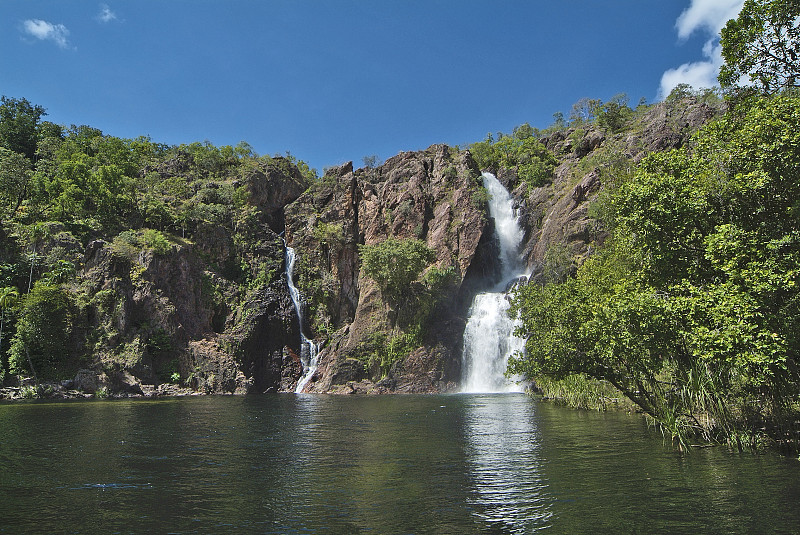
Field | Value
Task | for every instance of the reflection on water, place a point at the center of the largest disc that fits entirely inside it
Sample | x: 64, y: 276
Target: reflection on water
x: 376, y: 465
x: 510, y: 492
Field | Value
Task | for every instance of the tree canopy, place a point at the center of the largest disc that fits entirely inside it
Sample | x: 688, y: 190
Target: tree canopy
x: 19, y: 120
x: 521, y: 151
x: 693, y: 309
x: 62, y: 187
x: 762, y: 46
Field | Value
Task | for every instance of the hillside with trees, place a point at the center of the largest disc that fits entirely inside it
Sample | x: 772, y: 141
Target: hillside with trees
x: 117, y: 254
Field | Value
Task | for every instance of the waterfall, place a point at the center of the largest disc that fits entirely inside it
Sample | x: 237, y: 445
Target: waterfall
x: 308, y: 348
x: 489, y: 338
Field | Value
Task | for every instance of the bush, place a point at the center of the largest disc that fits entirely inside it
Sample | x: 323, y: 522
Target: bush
x: 40, y: 345
x: 129, y: 242
x: 385, y: 350
x: 395, y: 264
x: 614, y: 114
x: 532, y: 161
x: 156, y: 241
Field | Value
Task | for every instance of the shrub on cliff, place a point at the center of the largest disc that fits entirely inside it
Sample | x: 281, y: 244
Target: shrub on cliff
x: 394, y: 264
x: 532, y: 161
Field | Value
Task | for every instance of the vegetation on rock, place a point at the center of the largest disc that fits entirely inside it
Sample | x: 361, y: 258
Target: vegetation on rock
x: 690, y: 309
x: 107, y: 244
x: 521, y: 151
x: 395, y: 264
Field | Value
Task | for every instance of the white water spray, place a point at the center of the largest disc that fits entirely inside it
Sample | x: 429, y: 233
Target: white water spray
x: 308, y: 348
x: 489, y: 338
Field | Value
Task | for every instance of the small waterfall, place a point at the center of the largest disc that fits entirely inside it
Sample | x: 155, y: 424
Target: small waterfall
x: 308, y: 348
x: 489, y: 336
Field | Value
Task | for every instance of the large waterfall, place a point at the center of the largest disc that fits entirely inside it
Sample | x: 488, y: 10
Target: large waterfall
x: 308, y: 348
x: 489, y: 336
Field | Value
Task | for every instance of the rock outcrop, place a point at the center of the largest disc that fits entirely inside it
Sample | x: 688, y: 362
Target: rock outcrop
x: 557, y: 214
x: 434, y: 196
x: 212, y: 311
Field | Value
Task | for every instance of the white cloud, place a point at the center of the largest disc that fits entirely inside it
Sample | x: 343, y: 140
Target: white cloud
x: 709, y: 17
x: 47, y: 31
x: 106, y: 15
x: 698, y: 74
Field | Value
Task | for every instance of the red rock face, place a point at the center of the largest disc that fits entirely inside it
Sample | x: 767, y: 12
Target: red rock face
x: 435, y: 195
x: 432, y: 195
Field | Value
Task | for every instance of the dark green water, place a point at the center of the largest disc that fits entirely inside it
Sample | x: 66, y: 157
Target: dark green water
x: 393, y: 464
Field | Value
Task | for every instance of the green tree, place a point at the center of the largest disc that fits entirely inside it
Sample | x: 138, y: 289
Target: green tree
x: 394, y: 264
x: 18, y: 125
x: 41, y: 342
x: 33, y: 234
x: 523, y: 131
x: 59, y: 273
x: 762, y: 45
x: 15, y: 175
x: 90, y: 179
x: 613, y: 115
x: 584, y: 111
x: 47, y: 129
x: 8, y: 300
x: 693, y: 309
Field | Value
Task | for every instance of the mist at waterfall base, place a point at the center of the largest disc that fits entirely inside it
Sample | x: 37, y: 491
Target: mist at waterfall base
x: 489, y: 338
x: 308, y: 348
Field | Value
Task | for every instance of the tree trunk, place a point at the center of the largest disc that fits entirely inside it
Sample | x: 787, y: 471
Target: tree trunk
x: 30, y: 363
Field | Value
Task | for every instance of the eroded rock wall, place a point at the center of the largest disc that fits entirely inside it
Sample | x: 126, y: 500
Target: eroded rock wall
x: 558, y: 213
x: 211, y: 313
x: 433, y: 195
x: 214, y: 313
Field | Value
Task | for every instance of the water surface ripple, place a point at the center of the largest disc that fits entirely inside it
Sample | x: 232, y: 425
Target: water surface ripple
x: 297, y: 464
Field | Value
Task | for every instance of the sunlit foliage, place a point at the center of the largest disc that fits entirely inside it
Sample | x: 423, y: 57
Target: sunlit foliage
x: 693, y: 310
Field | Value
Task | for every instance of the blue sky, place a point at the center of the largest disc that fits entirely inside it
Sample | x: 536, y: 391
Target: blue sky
x: 337, y: 80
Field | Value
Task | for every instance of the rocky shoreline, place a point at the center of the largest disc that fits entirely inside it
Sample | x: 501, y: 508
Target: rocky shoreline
x: 88, y: 385
x: 57, y: 392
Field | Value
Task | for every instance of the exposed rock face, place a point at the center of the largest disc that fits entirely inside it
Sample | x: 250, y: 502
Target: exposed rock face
x: 266, y: 340
x: 433, y: 195
x: 558, y: 213
x: 215, y: 312
x: 272, y: 188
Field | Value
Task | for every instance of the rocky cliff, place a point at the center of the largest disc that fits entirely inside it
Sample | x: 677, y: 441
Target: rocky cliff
x: 434, y: 196
x: 559, y: 213
x: 211, y: 311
